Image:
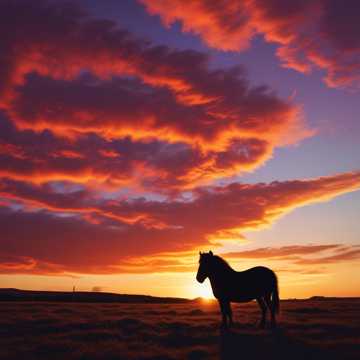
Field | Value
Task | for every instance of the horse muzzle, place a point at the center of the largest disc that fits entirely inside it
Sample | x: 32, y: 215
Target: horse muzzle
x: 200, y: 278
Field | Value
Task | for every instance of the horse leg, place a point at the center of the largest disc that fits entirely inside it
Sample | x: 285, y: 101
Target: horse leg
x: 224, y: 311
x: 229, y: 313
x: 270, y: 305
x: 263, y: 308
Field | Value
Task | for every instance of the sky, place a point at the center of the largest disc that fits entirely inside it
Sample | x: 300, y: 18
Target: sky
x: 136, y: 133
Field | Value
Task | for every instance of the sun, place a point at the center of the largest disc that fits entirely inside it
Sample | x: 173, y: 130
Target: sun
x: 206, y: 292
x: 203, y: 290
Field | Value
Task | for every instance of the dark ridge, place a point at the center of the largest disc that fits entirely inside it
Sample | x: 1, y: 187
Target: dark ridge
x: 332, y: 298
x: 84, y: 296
x: 10, y: 294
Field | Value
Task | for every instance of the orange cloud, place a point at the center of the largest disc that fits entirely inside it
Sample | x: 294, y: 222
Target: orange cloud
x: 176, y: 122
x: 170, y: 226
x: 216, y: 106
x: 152, y: 165
x: 310, y: 34
x: 224, y: 26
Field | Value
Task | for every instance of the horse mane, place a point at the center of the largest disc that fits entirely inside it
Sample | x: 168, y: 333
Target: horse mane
x: 222, y: 262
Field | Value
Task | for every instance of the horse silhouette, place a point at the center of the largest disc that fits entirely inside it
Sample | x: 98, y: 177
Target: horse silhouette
x: 228, y: 286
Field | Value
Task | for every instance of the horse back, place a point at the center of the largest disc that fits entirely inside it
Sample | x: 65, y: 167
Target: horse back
x: 251, y: 284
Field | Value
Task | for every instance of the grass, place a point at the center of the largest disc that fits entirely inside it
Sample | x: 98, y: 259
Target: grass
x: 307, y: 330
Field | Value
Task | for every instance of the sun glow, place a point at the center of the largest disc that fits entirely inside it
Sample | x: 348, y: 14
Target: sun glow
x: 203, y: 290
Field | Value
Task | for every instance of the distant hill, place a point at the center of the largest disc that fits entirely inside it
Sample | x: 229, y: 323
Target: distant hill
x: 324, y: 298
x: 9, y: 294
x: 84, y: 296
x: 334, y: 298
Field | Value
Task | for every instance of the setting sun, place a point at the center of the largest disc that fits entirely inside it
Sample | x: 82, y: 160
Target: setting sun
x: 205, y: 292
x: 201, y: 290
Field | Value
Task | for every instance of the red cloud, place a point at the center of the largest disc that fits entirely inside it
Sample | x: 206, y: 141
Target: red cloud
x: 321, y: 33
x: 154, y: 165
x: 209, y: 108
x: 62, y: 235
x: 198, y: 124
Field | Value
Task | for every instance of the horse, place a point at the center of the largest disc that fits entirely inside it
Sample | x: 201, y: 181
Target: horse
x: 258, y: 283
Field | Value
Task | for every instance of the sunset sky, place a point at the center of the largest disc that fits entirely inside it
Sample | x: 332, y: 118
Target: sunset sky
x: 135, y: 133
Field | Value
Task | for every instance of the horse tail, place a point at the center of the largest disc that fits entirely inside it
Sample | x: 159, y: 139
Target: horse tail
x: 275, y: 296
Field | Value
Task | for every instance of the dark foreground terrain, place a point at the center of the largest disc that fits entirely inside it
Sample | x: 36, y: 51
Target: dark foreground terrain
x: 309, y: 329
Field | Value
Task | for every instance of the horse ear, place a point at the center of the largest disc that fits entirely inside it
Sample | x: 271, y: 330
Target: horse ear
x: 200, y: 253
x: 211, y: 253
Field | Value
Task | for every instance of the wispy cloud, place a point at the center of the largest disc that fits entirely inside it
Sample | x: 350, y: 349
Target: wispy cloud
x: 79, y: 221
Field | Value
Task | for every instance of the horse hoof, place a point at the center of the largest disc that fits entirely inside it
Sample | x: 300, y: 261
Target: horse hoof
x: 223, y: 327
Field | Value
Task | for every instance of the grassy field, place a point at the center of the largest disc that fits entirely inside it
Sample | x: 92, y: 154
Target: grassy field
x: 307, y: 330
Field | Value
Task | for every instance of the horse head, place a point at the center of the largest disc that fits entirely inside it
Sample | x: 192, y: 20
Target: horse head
x: 205, y: 261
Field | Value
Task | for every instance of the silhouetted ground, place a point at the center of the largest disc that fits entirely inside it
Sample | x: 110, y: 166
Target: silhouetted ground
x: 84, y: 296
x: 312, y: 329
